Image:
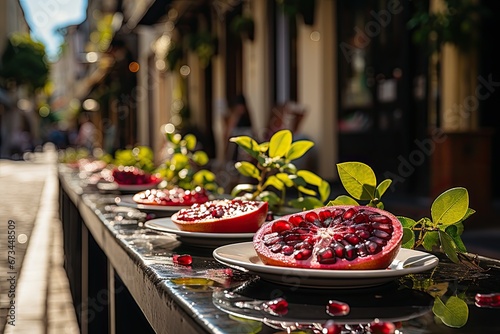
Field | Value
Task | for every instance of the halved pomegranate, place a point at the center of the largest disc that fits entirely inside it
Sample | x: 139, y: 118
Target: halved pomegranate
x: 128, y: 175
x: 171, y: 197
x: 222, y: 216
x: 335, y: 237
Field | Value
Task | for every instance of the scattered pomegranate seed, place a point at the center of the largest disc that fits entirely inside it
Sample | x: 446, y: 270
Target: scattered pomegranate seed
x: 278, y: 306
x: 382, y: 327
x: 184, y: 259
x: 337, y: 308
x: 330, y: 327
x: 488, y: 300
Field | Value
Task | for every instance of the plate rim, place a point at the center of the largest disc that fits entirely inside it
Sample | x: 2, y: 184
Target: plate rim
x: 320, y: 273
x: 199, y: 235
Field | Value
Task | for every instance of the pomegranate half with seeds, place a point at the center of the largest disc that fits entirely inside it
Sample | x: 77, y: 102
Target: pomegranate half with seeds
x: 222, y: 216
x: 334, y: 237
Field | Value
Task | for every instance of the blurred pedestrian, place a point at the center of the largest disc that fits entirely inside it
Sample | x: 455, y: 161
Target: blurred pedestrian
x: 87, y: 134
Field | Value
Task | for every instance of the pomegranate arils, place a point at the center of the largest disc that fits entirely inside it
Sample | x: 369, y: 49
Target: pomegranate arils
x: 330, y: 327
x: 337, y: 308
x: 278, y: 306
x: 330, y: 234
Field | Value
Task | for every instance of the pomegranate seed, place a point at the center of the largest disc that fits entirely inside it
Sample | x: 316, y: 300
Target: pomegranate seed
x: 350, y: 253
x: 325, y: 214
x: 372, y: 247
x: 296, y: 220
x: 184, y: 259
x: 381, y: 234
x: 276, y: 248
x: 384, y: 227
x: 277, y: 306
x: 337, y: 308
x: 287, y: 250
x: 360, y: 218
x: 382, y: 327
x: 380, y: 219
x: 326, y: 256
x: 311, y: 217
x: 352, y: 239
x: 488, y: 300
x: 349, y: 214
x: 330, y: 327
x: 303, y: 254
x: 339, y: 250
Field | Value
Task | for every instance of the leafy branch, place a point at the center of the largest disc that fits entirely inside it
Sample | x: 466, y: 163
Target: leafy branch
x: 274, y: 172
x: 184, y: 167
x: 442, y: 231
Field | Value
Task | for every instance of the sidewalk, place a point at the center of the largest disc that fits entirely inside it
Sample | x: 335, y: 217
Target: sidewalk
x: 42, y: 299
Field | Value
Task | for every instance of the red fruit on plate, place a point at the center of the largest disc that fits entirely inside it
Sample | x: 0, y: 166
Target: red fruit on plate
x: 129, y: 175
x: 335, y: 237
x: 222, y: 216
x: 171, y: 197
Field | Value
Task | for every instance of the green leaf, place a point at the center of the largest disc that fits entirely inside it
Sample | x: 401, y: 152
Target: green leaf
x: 285, y: 178
x: 455, y: 231
x: 454, y: 313
x: 280, y: 143
x: 407, y: 222
x: 244, y: 187
x: 448, y: 246
x: 298, y: 149
x: 271, y: 198
x: 247, y: 169
x: 248, y: 144
x: 310, y: 177
x: 190, y: 140
x: 200, y: 158
x: 343, y: 200
x: 324, y: 191
x: 203, y: 176
x: 408, y: 238
x: 431, y: 240
x: 179, y: 161
x: 358, y: 179
x: 275, y: 182
x: 306, y: 203
x: 299, y: 181
x: 306, y: 191
x: 469, y: 213
x: 382, y: 187
x: 450, y: 207
x: 289, y: 168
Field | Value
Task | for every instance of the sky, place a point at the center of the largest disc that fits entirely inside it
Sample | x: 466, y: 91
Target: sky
x: 45, y: 16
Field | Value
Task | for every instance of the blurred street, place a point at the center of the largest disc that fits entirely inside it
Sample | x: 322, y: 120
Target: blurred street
x: 29, y: 207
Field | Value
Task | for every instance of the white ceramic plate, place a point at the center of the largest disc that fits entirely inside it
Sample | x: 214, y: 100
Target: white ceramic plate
x: 197, y: 238
x: 127, y: 200
x: 243, y: 256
